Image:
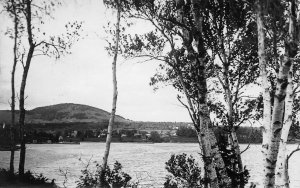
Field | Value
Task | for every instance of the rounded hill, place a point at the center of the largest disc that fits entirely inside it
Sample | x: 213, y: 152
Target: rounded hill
x: 66, y: 113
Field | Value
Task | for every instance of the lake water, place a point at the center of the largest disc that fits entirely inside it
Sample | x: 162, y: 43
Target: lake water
x: 144, y: 162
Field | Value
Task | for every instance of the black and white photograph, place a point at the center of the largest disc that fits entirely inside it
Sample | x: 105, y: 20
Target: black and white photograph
x: 150, y: 93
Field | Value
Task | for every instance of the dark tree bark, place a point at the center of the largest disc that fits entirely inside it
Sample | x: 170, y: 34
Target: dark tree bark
x: 12, y: 126
x: 23, y: 86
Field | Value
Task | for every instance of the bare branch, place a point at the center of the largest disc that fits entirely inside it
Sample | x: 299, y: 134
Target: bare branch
x: 22, y: 61
x: 221, y: 81
x: 151, y: 57
x: 248, y: 146
x: 178, y: 98
x: 250, y: 97
x: 294, y: 151
x: 242, y: 121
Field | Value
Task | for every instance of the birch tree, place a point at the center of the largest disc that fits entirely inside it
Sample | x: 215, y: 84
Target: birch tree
x: 291, y: 50
x: 266, y: 92
x: 173, y: 24
x: 186, y: 66
x: 37, y: 44
x: 230, y: 37
x: 12, y: 8
x: 115, y: 49
x: 278, y: 92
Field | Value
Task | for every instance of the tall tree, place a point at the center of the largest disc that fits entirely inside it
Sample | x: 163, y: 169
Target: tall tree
x: 37, y: 45
x: 229, y: 34
x: 12, y: 7
x: 291, y: 50
x: 277, y: 78
x: 266, y: 90
x: 172, y: 42
x: 177, y: 27
x: 102, y: 182
x: 13, y: 98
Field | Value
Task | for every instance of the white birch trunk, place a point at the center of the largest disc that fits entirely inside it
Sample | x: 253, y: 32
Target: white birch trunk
x: 266, y: 127
x: 114, y: 103
x: 214, y: 164
x: 282, y: 177
x: 232, y: 136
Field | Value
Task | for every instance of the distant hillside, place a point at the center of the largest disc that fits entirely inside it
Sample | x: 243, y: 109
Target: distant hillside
x: 64, y: 113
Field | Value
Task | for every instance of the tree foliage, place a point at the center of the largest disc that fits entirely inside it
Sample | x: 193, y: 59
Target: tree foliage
x: 185, y: 172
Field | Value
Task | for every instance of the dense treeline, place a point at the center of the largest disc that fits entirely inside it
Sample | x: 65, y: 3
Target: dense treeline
x: 69, y: 131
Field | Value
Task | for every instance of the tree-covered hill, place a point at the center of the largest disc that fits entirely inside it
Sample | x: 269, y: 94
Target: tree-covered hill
x: 63, y: 113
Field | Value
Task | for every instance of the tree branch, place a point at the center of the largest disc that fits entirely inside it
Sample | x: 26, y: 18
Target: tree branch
x: 294, y: 151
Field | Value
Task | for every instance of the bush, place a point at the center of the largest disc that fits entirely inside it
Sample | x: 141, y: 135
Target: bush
x: 114, y: 178
x: 186, y: 132
x: 29, y: 178
x: 155, y: 137
x: 185, y: 172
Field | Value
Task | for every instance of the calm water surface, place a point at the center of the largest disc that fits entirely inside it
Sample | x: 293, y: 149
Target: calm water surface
x: 144, y: 162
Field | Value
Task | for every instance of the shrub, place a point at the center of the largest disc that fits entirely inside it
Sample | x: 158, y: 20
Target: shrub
x: 185, y: 172
x: 29, y: 178
x: 114, y: 178
x: 186, y: 132
x: 155, y: 137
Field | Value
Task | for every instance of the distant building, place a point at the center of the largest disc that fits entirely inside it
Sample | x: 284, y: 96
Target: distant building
x: 74, y: 134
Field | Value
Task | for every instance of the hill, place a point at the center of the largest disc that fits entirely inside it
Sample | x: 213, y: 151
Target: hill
x: 64, y: 113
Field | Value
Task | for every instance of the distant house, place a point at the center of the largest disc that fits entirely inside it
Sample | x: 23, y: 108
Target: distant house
x: 148, y: 135
x: 74, y: 134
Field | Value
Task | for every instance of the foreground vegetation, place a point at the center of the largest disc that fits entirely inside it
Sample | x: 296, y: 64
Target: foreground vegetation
x: 28, y: 179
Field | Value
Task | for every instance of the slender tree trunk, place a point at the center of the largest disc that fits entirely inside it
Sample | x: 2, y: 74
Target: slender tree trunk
x: 23, y: 86
x: 266, y: 129
x: 213, y: 162
x: 12, y: 127
x: 291, y: 48
x: 281, y: 92
x: 238, y: 167
x: 114, y: 103
x: 282, y: 177
x: 23, y: 112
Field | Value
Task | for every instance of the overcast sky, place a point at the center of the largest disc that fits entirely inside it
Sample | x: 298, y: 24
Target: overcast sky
x: 85, y: 76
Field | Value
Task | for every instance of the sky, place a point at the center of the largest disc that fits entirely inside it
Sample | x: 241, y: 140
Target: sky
x: 85, y: 76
